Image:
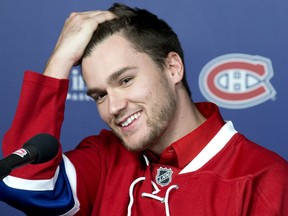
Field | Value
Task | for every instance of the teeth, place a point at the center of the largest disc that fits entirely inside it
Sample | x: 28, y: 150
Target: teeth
x: 130, y: 120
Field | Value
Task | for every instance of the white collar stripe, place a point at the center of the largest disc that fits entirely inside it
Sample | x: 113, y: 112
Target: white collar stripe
x: 217, y: 143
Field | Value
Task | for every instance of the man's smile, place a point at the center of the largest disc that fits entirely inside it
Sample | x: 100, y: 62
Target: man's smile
x: 130, y: 119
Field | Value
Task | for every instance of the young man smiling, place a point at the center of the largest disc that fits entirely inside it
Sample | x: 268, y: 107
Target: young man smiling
x: 165, y: 156
x: 142, y: 103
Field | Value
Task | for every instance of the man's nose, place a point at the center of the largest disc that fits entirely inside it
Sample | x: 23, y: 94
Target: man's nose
x: 116, y: 103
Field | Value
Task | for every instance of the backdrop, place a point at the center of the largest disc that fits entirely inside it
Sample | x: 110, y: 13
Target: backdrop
x: 235, y: 53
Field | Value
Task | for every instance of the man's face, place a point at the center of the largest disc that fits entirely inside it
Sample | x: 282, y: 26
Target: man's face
x: 134, y: 97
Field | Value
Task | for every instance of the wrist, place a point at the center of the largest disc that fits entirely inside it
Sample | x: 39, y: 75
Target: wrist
x: 58, y: 67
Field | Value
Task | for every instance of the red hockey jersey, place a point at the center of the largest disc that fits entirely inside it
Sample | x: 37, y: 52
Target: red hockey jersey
x: 214, y: 170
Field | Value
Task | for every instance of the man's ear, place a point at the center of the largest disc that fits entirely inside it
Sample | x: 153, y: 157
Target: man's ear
x: 175, y: 67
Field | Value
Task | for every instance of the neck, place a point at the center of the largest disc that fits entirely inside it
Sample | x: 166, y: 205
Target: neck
x: 186, y: 119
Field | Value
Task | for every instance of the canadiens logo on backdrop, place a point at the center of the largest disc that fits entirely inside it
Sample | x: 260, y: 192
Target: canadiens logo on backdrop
x: 77, y: 88
x: 164, y: 176
x: 237, y: 81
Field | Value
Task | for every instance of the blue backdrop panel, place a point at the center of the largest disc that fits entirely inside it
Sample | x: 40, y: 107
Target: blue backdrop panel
x: 209, y: 30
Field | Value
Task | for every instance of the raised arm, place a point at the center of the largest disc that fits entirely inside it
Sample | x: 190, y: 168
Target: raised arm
x: 48, y: 188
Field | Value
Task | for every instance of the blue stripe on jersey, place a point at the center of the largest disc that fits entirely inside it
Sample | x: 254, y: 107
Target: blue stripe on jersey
x: 48, y: 202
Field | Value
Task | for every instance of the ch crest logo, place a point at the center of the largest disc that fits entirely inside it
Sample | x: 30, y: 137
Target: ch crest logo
x: 237, y: 81
x: 164, y: 176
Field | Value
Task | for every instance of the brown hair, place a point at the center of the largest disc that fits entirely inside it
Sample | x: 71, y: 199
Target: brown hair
x: 146, y: 32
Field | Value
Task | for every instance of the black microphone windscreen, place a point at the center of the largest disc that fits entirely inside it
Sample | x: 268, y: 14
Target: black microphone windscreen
x: 46, y: 147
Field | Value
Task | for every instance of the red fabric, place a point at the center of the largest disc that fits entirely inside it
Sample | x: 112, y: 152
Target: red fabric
x: 40, y: 110
x: 242, y: 179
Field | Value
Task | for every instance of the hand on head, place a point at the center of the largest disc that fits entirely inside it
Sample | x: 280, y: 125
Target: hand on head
x: 76, y: 34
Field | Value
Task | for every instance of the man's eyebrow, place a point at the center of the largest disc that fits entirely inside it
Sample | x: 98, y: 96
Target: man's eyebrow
x: 118, y: 73
x: 111, y: 79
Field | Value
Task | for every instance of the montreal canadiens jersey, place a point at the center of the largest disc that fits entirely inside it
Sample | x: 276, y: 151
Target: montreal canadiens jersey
x: 226, y: 174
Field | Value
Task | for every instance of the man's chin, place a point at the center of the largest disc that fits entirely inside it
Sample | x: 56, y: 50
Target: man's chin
x: 134, y: 146
x: 132, y: 143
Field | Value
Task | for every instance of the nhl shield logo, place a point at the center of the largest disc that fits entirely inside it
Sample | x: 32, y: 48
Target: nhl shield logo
x: 164, y: 176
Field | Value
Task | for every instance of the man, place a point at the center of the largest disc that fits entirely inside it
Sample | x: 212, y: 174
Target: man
x: 165, y: 156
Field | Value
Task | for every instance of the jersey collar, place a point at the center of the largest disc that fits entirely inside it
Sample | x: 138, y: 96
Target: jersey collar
x: 181, y: 152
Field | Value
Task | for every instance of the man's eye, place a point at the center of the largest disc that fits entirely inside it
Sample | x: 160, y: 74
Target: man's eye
x: 126, y: 81
x: 99, y: 97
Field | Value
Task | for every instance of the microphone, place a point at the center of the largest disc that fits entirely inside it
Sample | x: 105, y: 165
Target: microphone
x: 39, y: 149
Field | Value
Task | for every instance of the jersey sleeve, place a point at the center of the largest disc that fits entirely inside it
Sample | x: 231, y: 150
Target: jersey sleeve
x: 40, y: 110
x: 48, y: 188
x: 272, y: 190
